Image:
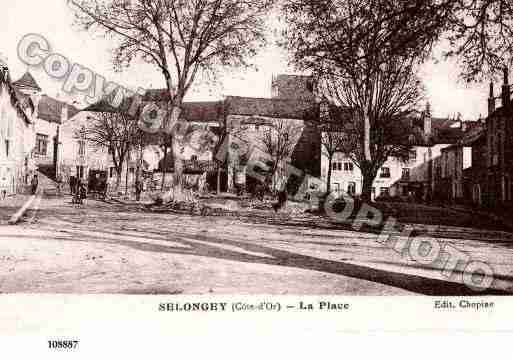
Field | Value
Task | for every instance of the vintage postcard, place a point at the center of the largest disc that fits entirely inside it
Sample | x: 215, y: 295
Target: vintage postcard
x: 182, y: 166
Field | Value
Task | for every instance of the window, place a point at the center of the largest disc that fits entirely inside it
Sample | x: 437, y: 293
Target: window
x: 7, y: 147
x: 413, y: 155
x: 384, y: 191
x: 348, y: 167
x: 81, y: 148
x: 336, y: 166
x: 41, y: 144
x: 111, y: 172
x: 132, y: 170
x: 351, y: 188
x: 406, y: 174
x: 194, y: 158
x: 385, y: 172
x: 336, y: 187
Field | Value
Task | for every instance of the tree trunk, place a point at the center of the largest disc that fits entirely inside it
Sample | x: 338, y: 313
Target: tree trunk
x: 139, y: 165
x: 366, y: 137
x: 164, y: 169
x: 119, y: 172
x: 126, y: 175
x: 328, y: 184
x: 219, y: 180
x: 368, y: 177
x: 367, y: 173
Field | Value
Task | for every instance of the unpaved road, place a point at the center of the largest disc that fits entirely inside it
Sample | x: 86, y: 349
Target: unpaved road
x: 105, y: 248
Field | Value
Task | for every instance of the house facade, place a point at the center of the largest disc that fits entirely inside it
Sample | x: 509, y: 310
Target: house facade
x: 415, y: 175
x: 475, y: 177
x: 491, y: 175
x: 266, y: 134
x: 16, y: 135
x: 196, y: 146
x: 49, y: 115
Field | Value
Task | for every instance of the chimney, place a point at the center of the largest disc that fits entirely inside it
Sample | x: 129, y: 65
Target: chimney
x: 491, y: 100
x: 505, y: 89
x: 427, y: 120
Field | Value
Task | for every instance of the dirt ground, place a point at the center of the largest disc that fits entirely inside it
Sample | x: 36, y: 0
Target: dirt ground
x: 117, y: 248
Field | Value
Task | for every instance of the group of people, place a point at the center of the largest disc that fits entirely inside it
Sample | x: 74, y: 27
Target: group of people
x: 78, y: 190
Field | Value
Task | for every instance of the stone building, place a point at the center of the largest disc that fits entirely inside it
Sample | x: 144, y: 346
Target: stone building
x: 250, y: 119
x: 16, y: 135
x: 496, y: 188
x: 416, y: 175
x: 259, y: 129
x: 50, y: 114
x: 156, y: 162
x: 475, y: 177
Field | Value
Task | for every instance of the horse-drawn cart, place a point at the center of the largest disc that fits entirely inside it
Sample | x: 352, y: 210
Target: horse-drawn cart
x: 97, y: 184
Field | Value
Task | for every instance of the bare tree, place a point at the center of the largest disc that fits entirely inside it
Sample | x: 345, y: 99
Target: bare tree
x: 333, y: 137
x: 112, y: 131
x: 365, y: 63
x: 279, y: 139
x: 479, y: 33
x: 181, y: 37
x: 140, y: 141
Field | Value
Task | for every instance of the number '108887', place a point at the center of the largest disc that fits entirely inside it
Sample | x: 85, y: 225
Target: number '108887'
x: 63, y: 344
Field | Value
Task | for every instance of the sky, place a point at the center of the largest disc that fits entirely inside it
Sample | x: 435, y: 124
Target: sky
x: 54, y: 20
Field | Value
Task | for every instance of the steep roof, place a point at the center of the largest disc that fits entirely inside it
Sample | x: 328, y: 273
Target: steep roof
x: 208, y: 111
x: 410, y: 129
x: 299, y: 87
x: 27, y: 82
x: 50, y: 109
x: 201, y: 111
x: 476, y: 131
x: 18, y: 100
x: 275, y: 108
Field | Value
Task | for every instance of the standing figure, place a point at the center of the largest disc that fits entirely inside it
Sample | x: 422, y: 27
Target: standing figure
x: 138, y: 190
x: 72, y: 184
x: 58, y: 184
x: 34, y: 183
x: 82, y: 193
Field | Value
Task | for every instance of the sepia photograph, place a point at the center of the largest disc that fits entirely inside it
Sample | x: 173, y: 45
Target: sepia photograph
x: 257, y: 147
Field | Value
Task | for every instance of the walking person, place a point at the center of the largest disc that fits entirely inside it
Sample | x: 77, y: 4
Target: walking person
x: 34, y: 183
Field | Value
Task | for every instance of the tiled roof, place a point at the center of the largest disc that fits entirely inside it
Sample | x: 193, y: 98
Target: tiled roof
x: 18, y: 100
x: 202, y: 111
x: 156, y: 95
x: 276, y: 108
x: 191, y: 111
x: 50, y: 109
x: 475, y: 132
x: 410, y: 130
x: 27, y: 81
x: 293, y: 87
